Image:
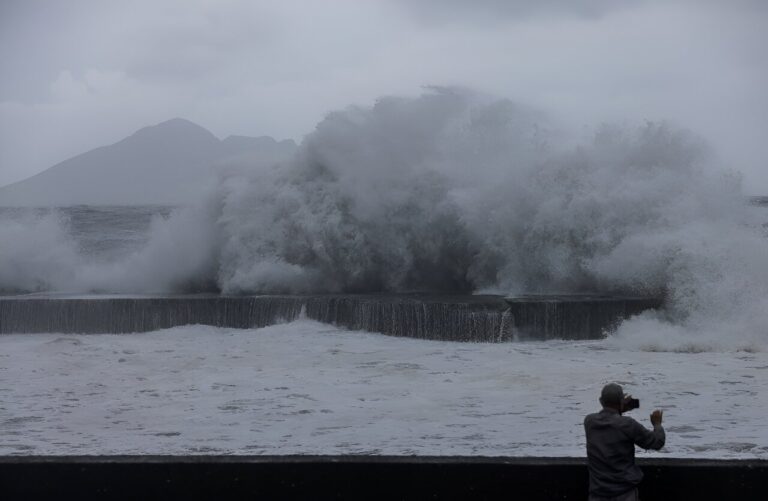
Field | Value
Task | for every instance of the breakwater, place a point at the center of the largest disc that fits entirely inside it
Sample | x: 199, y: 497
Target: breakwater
x: 447, y: 318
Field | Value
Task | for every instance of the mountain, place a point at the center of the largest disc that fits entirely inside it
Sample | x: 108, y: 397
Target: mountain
x: 169, y: 163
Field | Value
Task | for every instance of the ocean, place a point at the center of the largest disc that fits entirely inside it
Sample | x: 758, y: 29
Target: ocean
x: 308, y: 388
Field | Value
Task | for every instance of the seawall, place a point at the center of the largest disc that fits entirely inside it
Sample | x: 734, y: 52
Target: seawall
x: 447, y: 318
x: 361, y: 477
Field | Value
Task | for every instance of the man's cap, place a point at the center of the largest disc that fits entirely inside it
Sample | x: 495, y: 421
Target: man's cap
x: 612, y: 394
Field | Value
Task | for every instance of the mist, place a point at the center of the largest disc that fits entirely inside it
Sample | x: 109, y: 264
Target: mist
x: 456, y: 191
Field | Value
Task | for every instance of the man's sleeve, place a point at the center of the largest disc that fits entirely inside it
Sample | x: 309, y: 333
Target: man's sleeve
x: 648, y: 439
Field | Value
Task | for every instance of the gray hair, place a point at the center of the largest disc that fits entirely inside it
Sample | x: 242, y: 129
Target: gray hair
x: 612, y: 394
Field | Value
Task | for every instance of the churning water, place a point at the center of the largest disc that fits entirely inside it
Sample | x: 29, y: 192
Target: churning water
x: 450, y: 192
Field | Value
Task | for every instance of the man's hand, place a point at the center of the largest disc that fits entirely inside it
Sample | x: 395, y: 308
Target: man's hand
x: 656, y: 417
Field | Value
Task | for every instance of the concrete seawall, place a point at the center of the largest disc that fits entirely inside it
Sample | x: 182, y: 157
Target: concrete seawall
x: 447, y: 318
x: 362, y: 477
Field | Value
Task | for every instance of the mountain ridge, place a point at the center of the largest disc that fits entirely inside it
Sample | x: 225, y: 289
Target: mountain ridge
x: 172, y: 162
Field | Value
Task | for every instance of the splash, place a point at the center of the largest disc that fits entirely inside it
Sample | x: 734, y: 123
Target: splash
x: 38, y: 253
x: 461, y: 192
x: 455, y: 191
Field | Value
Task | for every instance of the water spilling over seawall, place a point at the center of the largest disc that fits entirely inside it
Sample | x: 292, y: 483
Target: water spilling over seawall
x: 445, y: 318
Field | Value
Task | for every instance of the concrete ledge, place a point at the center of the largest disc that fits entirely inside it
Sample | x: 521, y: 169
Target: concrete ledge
x: 360, y: 477
x: 422, y: 316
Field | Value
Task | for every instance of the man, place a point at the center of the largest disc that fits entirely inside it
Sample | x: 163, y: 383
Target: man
x: 611, y: 440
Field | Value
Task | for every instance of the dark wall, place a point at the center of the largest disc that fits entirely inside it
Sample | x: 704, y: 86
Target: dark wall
x: 361, y: 477
x: 422, y: 316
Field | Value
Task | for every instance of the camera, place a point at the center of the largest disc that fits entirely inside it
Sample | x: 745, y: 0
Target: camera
x: 629, y: 403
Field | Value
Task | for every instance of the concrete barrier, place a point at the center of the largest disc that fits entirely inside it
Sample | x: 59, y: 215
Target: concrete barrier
x: 361, y: 477
x: 421, y: 316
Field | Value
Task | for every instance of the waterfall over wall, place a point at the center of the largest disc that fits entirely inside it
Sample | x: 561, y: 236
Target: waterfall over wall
x: 446, y: 318
x: 140, y: 314
x: 573, y: 317
x: 450, y: 318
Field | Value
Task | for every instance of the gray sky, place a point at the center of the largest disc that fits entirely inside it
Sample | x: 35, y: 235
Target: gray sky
x: 85, y: 73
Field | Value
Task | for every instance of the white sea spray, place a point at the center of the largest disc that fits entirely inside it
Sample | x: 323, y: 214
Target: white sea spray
x: 455, y: 191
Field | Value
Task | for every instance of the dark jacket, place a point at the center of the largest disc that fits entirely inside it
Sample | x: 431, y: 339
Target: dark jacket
x: 611, y: 440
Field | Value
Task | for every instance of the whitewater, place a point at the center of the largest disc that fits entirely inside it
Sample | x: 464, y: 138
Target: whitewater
x: 310, y: 388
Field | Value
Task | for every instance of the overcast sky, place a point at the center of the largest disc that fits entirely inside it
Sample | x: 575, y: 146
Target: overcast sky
x: 79, y: 74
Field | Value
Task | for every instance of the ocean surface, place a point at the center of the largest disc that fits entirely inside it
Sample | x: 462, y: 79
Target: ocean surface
x: 310, y: 388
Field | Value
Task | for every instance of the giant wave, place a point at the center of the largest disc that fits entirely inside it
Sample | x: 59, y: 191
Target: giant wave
x: 461, y: 192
